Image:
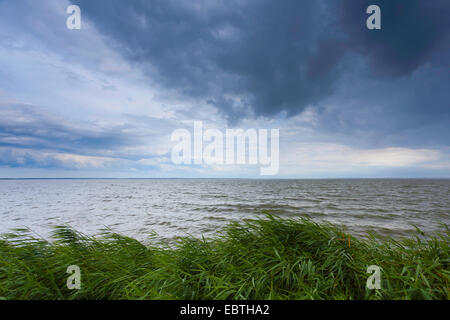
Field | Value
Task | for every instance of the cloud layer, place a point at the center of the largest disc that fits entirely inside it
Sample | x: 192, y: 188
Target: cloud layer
x: 107, y: 97
x: 261, y: 57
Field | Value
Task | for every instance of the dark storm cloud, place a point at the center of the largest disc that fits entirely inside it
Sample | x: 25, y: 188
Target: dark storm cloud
x: 399, y: 94
x: 412, y: 30
x: 241, y: 56
x: 408, y: 111
x: 263, y: 57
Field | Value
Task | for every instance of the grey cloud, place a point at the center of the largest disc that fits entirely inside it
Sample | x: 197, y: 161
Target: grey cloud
x: 410, y: 111
x: 24, y: 126
x: 412, y: 32
x: 243, y: 57
x: 253, y: 58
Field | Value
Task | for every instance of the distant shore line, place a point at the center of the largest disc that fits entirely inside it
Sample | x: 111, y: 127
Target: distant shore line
x: 224, y: 178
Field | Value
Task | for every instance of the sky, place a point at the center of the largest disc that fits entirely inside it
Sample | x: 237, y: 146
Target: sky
x: 103, y: 101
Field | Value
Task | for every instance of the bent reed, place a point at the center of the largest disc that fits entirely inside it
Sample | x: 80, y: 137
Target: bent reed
x: 267, y: 258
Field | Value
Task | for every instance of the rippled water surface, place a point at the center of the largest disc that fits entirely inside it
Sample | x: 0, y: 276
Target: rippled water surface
x: 174, y: 207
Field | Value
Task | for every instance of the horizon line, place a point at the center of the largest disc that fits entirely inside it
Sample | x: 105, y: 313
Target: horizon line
x: 227, y: 178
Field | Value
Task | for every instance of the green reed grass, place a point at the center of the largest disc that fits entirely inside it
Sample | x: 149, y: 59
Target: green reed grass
x: 269, y: 258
